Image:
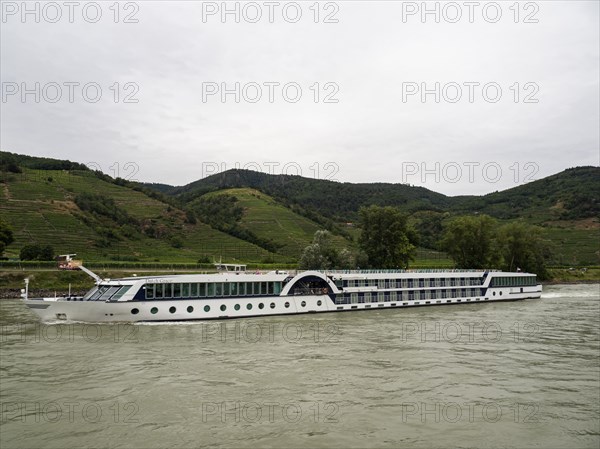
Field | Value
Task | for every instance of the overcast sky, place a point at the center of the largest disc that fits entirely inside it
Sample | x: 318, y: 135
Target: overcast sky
x: 342, y: 98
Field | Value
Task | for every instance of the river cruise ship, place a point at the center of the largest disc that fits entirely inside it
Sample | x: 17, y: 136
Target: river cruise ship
x: 234, y: 293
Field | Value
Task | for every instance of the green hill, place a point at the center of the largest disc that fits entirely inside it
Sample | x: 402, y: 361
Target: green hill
x: 40, y: 206
x: 340, y: 201
x: 572, y: 194
x: 567, y: 204
x: 241, y: 215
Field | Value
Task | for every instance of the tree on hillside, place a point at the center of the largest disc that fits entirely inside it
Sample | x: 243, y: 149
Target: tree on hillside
x: 522, y: 247
x: 321, y: 254
x: 8, y: 163
x: 430, y: 226
x: 385, y: 237
x: 37, y: 252
x: 471, y: 241
x: 6, y: 236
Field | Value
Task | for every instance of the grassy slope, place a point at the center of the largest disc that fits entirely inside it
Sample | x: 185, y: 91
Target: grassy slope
x: 43, y: 211
x: 271, y: 220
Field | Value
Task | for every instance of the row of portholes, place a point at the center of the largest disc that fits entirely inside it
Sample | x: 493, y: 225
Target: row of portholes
x: 190, y: 309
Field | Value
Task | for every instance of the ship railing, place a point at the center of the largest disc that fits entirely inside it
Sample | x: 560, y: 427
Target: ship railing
x: 310, y: 291
x: 420, y: 270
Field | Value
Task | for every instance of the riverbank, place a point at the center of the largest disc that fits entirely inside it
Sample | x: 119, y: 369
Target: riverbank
x: 573, y: 276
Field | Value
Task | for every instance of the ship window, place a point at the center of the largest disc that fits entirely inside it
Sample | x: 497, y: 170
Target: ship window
x: 154, y: 310
x: 149, y: 291
x: 261, y: 306
x: 442, y: 282
x: 202, y: 290
x: 226, y: 289
x: 303, y: 303
x: 108, y: 293
x: 270, y: 286
x: 158, y: 291
x: 135, y: 311
x: 233, y: 290
x: 210, y: 289
x: 185, y: 290
x: 98, y: 292
x: 422, y: 294
x: 121, y: 292
x: 207, y: 308
x: 319, y: 303
x: 263, y: 288
x: 287, y: 305
x: 236, y: 307
x: 354, y: 298
x: 193, y: 290
x: 421, y: 282
x: 176, y: 290
x: 89, y: 294
x: 219, y: 289
x: 223, y: 307
x: 242, y: 286
x: 172, y: 310
x: 249, y: 306
x: 410, y: 283
x: 277, y: 288
x: 190, y: 309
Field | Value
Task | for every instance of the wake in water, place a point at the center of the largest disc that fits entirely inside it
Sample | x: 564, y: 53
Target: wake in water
x: 571, y: 291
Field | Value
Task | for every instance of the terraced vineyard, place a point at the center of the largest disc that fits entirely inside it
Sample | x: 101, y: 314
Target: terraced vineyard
x: 272, y: 221
x: 40, y: 207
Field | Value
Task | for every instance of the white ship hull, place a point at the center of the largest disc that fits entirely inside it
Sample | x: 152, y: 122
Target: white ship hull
x: 224, y: 308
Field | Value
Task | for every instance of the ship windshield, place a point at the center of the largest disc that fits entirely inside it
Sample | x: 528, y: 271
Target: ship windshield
x: 106, y: 292
x: 91, y: 292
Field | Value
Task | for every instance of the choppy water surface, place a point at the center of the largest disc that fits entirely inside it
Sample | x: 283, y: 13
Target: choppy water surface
x: 515, y: 374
